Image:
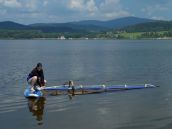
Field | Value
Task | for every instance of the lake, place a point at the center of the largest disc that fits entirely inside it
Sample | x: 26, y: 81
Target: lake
x: 87, y: 62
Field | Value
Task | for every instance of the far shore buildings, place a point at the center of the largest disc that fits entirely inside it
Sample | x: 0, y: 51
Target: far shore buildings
x: 61, y: 37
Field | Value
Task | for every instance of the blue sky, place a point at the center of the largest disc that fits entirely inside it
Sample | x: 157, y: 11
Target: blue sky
x: 57, y: 11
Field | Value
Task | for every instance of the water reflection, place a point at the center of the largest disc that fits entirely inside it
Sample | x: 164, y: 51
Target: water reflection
x: 36, y: 106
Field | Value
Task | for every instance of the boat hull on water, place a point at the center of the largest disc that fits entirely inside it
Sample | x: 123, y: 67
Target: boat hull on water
x: 89, y: 89
x: 78, y: 90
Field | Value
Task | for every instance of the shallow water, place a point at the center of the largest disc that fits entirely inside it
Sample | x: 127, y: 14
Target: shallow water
x: 87, y: 62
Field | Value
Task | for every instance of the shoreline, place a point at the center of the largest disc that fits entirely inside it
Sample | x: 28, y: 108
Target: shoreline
x: 170, y: 38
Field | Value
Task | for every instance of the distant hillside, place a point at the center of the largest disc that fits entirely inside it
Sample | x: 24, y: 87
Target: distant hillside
x: 149, y: 27
x: 66, y: 27
x: 116, y: 23
x: 76, y: 27
x: 89, y: 25
x: 12, y: 25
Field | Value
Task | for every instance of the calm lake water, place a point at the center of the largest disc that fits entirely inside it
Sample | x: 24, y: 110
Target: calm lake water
x: 87, y: 62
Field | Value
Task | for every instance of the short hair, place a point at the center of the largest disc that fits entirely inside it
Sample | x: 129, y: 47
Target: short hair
x: 39, y: 65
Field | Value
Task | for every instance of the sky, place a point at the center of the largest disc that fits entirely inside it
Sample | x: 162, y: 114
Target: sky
x: 59, y: 11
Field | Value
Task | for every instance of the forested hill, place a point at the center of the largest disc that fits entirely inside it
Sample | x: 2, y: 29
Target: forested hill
x: 115, y: 23
x: 73, y: 27
x: 149, y: 27
x: 9, y: 25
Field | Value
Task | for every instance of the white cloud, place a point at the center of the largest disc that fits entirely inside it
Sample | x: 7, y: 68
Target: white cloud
x: 64, y: 10
x: 107, y: 9
x: 112, y: 9
x: 76, y: 4
x: 83, y: 5
x: 31, y: 4
x: 91, y: 6
x: 109, y: 2
x: 45, y: 2
x: 70, y: 10
x: 11, y: 3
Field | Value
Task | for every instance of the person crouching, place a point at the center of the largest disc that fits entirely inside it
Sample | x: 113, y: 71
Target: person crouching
x: 36, y: 77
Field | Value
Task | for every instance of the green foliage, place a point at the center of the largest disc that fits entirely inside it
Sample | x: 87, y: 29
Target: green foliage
x: 149, y: 27
x: 36, y: 34
x: 19, y: 34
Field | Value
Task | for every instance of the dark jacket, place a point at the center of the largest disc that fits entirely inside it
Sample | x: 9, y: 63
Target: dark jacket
x: 39, y: 74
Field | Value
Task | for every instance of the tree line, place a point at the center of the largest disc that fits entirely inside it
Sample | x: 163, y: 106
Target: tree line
x: 37, y: 34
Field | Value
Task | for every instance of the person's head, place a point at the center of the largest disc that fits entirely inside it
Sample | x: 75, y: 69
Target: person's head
x: 39, y: 66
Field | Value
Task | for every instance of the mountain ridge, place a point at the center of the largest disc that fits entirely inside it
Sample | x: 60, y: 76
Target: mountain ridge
x: 80, y: 26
